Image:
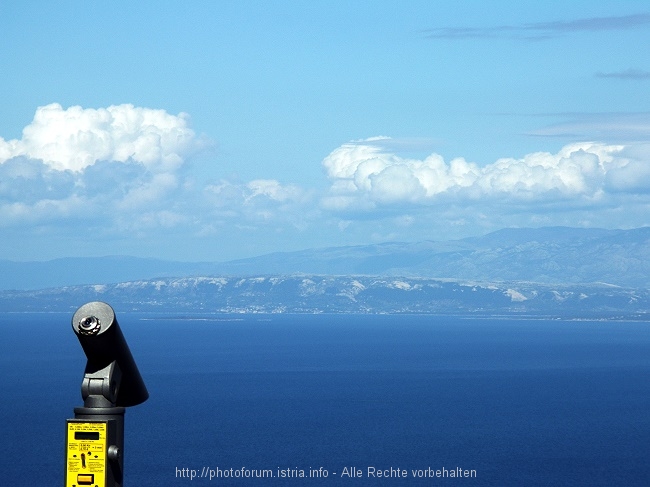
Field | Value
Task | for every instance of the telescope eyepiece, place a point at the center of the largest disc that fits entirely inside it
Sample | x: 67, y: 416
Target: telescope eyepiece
x: 89, y: 325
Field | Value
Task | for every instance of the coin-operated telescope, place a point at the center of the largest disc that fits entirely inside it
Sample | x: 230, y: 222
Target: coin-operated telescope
x: 111, y: 382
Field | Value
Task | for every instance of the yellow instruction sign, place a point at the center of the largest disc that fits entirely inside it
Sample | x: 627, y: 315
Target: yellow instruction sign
x: 86, y: 447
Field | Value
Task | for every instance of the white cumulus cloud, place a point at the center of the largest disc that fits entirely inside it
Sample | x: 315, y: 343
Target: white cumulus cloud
x: 76, y: 137
x: 364, y: 175
x: 100, y: 164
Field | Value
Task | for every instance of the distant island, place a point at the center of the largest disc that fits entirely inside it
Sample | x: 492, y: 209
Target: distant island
x: 554, y: 271
x: 342, y: 294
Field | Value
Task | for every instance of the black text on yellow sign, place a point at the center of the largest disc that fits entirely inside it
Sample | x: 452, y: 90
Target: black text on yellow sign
x: 86, y: 447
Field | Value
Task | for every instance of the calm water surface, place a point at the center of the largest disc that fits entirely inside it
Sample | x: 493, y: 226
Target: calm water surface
x: 521, y: 402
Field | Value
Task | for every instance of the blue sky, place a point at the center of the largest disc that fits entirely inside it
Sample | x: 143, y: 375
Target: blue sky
x: 220, y: 130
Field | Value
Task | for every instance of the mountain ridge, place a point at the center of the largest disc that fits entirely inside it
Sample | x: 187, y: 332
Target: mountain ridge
x: 546, y: 255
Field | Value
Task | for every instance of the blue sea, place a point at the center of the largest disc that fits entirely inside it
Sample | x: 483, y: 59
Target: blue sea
x: 344, y: 399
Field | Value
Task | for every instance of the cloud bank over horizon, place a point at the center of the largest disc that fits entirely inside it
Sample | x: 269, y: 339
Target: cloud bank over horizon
x: 122, y: 168
x: 364, y: 176
x: 93, y: 163
x: 121, y: 171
